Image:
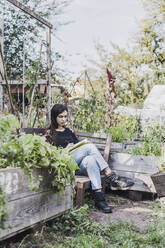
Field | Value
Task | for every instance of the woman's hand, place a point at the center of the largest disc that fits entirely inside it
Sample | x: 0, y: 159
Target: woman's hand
x: 69, y: 146
x: 47, y: 132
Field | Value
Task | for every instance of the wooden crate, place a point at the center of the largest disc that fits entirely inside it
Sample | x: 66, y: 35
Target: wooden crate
x: 159, y: 183
x: 27, y: 208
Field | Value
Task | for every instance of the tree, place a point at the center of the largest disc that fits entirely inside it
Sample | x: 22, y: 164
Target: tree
x: 141, y: 66
x: 19, y: 28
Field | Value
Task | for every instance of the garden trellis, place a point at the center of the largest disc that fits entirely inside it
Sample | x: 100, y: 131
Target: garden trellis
x: 48, y: 45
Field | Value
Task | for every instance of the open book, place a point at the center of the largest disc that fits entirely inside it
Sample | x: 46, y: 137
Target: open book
x: 77, y: 145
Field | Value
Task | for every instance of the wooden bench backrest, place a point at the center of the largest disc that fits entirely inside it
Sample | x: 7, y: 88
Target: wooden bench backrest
x: 101, y: 140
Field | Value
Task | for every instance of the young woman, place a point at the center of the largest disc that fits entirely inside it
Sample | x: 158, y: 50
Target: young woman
x: 90, y: 161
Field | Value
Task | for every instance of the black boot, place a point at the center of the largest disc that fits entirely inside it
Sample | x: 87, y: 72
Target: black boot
x: 116, y: 182
x: 101, y: 204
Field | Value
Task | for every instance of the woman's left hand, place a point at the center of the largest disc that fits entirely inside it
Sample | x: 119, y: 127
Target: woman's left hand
x: 69, y: 146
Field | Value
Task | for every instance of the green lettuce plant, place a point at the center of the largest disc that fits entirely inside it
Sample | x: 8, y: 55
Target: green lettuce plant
x: 31, y: 152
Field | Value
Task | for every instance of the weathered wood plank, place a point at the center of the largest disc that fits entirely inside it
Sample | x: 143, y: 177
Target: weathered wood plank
x: 27, y: 207
x: 107, y: 147
x: 34, y: 209
x: 1, y: 64
x: 15, y: 182
x: 158, y: 180
x: 123, y: 147
x: 94, y: 135
x: 39, y: 131
x: 134, y: 163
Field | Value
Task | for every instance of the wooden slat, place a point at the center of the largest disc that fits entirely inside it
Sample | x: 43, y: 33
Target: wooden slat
x: 30, y: 12
x: 107, y: 147
x: 123, y: 147
x: 88, y: 134
x: 33, y: 130
x: 15, y: 182
x: 134, y: 163
x: 93, y: 140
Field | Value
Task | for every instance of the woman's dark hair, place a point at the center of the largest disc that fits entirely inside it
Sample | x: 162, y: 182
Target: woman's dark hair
x: 55, y: 111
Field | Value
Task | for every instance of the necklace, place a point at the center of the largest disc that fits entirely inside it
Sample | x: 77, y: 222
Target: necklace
x: 60, y: 130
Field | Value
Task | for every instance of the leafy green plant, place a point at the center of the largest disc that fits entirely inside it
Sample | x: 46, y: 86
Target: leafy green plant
x: 30, y: 152
x: 153, y: 137
x: 89, y: 115
x: 78, y: 230
x: 124, y: 129
x: 3, y: 209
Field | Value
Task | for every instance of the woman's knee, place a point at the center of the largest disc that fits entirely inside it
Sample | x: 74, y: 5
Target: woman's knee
x: 91, y: 147
x: 89, y: 160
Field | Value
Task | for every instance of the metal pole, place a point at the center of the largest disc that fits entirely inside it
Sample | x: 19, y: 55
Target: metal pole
x: 48, y: 96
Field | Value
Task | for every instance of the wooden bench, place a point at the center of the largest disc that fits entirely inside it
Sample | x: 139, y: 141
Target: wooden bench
x: 102, y: 142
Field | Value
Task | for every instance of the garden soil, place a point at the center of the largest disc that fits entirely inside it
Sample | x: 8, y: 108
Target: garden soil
x: 139, y: 213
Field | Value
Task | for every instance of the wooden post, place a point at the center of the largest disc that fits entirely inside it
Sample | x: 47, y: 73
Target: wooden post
x: 1, y: 43
x: 1, y: 68
x: 30, y: 12
x: 1, y: 99
x: 23, y: 88
x: 48, y: 100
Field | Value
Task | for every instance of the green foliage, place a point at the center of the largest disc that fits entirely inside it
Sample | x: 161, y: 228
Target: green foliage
x: 3, y: 210
x: 89, y: 115
x: 20, y: 28
x: 140, y: 66
x: 73, y: 221
x: 79, y: 231
x: 8, y: 125
x: 75, y: 229
x: 125, y: 129
x: 153, y: 137
x: 32, y: 151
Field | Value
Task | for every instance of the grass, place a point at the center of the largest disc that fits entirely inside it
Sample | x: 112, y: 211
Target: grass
x: 76, y: 230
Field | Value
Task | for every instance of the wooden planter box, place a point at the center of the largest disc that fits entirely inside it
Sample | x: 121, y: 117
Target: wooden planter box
x: 27, y: 208
x: 159, y: 183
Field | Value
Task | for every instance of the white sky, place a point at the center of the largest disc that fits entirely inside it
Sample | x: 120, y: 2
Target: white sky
x: 103, y: 20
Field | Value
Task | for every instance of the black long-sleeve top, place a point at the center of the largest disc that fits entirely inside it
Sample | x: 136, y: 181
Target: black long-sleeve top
x: 62, y: 139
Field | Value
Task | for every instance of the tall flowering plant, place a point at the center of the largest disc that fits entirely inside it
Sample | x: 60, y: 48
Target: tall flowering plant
x: 111, y: 99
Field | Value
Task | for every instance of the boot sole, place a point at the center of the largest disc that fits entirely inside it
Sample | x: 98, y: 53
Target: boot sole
x: 106, y: 212
x: 115, y: 188
x: 119, y: 188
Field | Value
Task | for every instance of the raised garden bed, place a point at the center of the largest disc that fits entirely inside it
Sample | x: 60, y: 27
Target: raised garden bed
x: 159, y: 183
x: 138, y: 167
x: 26, y: 208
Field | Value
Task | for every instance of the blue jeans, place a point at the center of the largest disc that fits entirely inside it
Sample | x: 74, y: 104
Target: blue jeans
x: 91, y: 163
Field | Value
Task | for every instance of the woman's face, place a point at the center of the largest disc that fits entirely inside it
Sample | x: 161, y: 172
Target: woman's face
x: 62, y: 119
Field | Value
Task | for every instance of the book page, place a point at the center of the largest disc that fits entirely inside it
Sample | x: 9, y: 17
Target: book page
x: 77, y: 145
